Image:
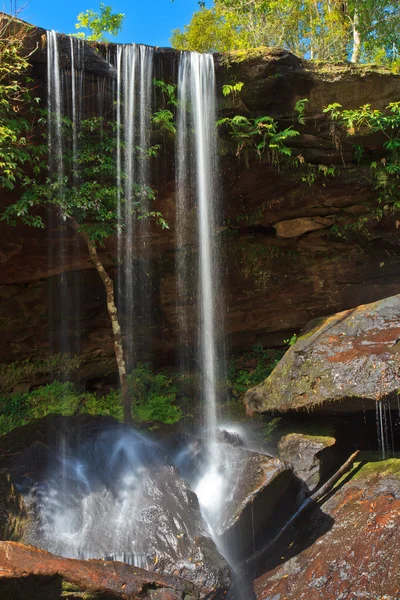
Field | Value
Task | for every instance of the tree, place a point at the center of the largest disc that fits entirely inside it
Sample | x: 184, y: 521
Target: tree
x: 210, y: 30
x: 99, y: 23
x: 18, y: 108
x: 356, y: 30
x: 87, y: 197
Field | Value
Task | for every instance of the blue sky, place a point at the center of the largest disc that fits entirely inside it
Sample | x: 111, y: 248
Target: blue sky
x: 146, y: 21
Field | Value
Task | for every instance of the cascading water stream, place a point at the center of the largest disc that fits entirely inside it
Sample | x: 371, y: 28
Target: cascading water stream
x: 197, y: 198
x: 134, y: 66
x: 83, y: 512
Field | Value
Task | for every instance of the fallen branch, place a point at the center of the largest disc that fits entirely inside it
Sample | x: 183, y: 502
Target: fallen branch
x: 322, y: 491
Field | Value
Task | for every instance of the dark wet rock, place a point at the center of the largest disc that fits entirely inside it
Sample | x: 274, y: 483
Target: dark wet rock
x: 358, y: 556
x: 14, y: 518
x: 345, y: 362
x: 228, y: 437
x: 312, y: 457
x: 262, y: 493
x: 27, y: 572
x: 97, y: 489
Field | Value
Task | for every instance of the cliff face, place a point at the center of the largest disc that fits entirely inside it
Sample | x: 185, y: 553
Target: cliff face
x: 283, y: 264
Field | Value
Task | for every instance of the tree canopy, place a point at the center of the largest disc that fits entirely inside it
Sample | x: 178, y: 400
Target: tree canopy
x: 99, y: 23
x: 356, y: 30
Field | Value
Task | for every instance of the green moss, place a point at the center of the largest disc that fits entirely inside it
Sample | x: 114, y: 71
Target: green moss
x: 315, y: 431
x: 72, y: 591
x: 374, y: 466
x: 326, y: 440
x: 239, y: 56
x: 25, y: 371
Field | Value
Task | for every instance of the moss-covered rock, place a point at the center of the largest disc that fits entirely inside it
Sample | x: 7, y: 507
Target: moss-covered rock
x: 346, y: 362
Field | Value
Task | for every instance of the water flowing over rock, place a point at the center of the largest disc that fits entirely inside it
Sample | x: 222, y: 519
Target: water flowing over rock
x: 262, y: 494
x: 357, y: 557
x: 311, y: 274
x: 346, y: 362
x: 27, y: 572
x: 96, y: 489
x: 245, y: 495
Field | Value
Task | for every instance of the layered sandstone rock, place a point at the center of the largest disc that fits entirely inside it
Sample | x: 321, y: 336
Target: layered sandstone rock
x: 346, y: 362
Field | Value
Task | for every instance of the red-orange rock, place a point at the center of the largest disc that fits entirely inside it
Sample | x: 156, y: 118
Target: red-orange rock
x: 27, y: 572
x: 358, y: 557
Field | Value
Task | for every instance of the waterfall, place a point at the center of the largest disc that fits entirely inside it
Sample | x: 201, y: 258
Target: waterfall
x: 134, y: 65
x: 57, y: 289
x: 197, y: 197
x: 75, y: 528
x: 197, y: 212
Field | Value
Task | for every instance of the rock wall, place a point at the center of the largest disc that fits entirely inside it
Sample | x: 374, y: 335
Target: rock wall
x: 283, y: 264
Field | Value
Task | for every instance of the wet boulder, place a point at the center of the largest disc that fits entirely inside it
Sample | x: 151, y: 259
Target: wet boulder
x: 262, y: 495
x: 343, y: 363
x: 27, y: 572
x: 96, y: 489
x: 357, y: 556
x: 312, y: 457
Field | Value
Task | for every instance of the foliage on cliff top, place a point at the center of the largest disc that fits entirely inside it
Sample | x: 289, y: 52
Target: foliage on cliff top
x: 18, y: 105
x: 360, y: 30
x: 98, y: 23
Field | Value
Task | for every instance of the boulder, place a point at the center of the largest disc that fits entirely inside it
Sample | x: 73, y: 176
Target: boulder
x: 97, y: 489
x: 311, y: 457
x: 245, y: 495
x: 27, y: 572
x: 262, y: 494
x: 358, y: 557
x: 347, y: 362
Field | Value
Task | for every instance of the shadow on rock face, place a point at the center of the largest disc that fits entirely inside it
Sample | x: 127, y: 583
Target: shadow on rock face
x: 313, y: 525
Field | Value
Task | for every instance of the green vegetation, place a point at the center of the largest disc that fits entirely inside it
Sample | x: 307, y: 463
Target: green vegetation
x: 153, y: 399
x: 163, y: 118
x: 356, y: 30
x: 241, y: 379
x: 210, y: 30
x: 260, y: 135
x: 99, y: 23
x: 384, y: 173
x: 87, y: 194
x: 19, y: 113
x: 232, y: 88
x: 57, y: 365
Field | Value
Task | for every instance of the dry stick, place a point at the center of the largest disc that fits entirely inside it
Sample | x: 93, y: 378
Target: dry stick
x: 322, y: 491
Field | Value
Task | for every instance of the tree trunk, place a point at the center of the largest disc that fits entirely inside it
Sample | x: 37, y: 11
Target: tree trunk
x: 355, y: 57
x: 116, y: 328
